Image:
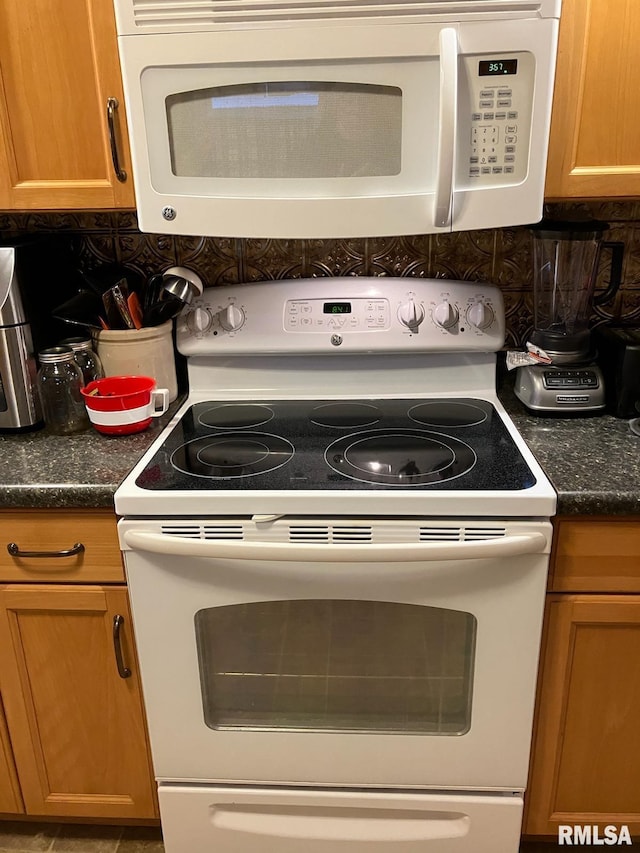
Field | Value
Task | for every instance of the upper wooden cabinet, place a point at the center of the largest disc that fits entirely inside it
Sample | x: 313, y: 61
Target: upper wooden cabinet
x: 58, y: 69
x: 594, y: 148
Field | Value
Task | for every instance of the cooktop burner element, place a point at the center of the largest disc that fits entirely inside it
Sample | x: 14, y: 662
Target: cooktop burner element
x: 236, y: 416
x: 229, y: 455
x: 447, y: 413
x: 214, y: 446
x: 345, y: 415
x: 400, y: 457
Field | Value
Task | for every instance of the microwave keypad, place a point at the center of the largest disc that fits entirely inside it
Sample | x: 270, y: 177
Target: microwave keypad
x: 493, y: 146
x: 496, y: 114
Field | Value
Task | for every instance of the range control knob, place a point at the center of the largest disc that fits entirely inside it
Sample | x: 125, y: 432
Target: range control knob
x: 411, y: 315
x: 231, y: 318
x: 445, y: 315
x: 480, y: 315
x: 199, y: 320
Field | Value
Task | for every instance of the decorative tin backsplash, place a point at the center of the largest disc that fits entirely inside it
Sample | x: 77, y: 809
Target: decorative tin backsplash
x: 501, y: 256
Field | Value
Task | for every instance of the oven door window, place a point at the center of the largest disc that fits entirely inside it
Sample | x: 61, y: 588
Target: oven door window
x: 363, y: 666
x: 286, y: 130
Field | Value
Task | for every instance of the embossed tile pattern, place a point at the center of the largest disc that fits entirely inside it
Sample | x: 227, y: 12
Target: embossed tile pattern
x: 501, y: 256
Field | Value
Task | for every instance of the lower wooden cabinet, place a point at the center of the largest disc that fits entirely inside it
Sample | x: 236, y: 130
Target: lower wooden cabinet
x: 10, y: 799
x: 585, y: 766
x: 75, y: 722
x: 73, y: 738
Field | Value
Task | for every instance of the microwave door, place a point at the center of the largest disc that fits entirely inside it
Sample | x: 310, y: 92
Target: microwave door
x: 343, y: 143
x: 351, y: 132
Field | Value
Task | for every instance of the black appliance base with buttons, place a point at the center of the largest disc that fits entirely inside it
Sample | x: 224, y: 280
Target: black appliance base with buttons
x: 550, y: 389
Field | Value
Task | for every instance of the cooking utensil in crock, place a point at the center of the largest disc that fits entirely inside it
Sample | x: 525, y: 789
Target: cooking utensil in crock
x: 179, y: 286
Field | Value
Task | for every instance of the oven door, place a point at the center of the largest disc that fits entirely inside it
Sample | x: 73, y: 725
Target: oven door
x: 404, y: 663
x: 340, y: 131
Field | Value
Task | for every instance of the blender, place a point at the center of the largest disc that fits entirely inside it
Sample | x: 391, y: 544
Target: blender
x: 565, y: 263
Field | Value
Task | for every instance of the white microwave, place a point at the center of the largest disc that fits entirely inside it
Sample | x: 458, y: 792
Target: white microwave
x: 337, y: 118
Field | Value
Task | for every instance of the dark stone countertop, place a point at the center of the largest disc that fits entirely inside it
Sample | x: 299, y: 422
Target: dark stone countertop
x: 39, y: 470
x: 593, y: 462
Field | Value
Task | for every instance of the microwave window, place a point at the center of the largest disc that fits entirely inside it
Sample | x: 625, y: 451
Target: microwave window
x: 286, y: 130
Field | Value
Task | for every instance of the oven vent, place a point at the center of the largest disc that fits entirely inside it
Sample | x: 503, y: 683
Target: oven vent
x: 330, y: 533
x: 460, y: 534
x: 475, y: 534
x: 218, y: 14
x: 204, y: 531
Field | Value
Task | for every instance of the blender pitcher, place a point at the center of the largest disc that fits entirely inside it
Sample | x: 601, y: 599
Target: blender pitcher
x: 565, y: 264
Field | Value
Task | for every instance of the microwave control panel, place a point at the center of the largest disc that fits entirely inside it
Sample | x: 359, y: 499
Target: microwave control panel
x: 500, y: 90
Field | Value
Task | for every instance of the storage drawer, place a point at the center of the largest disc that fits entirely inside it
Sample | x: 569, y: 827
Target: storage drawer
x: 59, y: 530
x: 596, y: 555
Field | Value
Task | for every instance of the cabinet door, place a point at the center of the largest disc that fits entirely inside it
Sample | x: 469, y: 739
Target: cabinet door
x: 585, y: 767
x: 10, y: 800
x: 594, y: 148
x: 77, y: 727
x: 58, y: 66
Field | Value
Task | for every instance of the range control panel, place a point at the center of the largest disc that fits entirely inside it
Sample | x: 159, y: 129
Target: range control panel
x: 354, y: 314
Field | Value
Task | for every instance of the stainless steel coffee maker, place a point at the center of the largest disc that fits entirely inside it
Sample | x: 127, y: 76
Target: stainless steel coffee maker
x: 19, y: 403
x: 566, y: 257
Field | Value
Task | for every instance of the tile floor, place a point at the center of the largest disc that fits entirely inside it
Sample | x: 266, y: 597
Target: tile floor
x: 76, y: 838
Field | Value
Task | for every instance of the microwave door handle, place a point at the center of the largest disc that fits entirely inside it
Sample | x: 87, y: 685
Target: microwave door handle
x: 170, y: 545
x: 446, y: 126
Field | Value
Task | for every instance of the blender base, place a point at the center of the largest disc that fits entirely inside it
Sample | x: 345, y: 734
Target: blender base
x: 551, y: 389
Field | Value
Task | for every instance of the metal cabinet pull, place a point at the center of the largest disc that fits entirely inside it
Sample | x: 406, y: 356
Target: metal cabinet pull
x: 112, y: 106
x: 14, y: 549
x: 123, y: 671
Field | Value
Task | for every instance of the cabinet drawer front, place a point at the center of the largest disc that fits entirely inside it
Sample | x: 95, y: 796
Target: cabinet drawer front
x: 596, y: 556
x: 56, y: 531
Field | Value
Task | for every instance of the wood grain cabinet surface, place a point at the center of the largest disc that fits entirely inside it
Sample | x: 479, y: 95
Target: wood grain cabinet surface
x: 75, y: 733
x: 58, y: 67
x: 10, y: 798
x: 585, y: 767
x: 594, y: 146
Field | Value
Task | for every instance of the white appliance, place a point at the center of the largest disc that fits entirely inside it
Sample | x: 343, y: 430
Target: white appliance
x: 337, y: 555
x: 319, y: 119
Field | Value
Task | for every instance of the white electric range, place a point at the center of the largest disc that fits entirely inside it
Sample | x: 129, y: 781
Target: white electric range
x: 337, y: 555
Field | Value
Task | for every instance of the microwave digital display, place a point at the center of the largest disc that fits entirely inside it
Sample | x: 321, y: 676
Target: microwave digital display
x: 497, y: 67
x: 337, y: 308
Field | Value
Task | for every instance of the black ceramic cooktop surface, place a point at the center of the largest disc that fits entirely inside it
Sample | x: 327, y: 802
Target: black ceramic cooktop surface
x: 329, y: 444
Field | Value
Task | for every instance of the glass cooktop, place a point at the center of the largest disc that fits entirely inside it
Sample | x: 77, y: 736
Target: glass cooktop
x: 334, y: 444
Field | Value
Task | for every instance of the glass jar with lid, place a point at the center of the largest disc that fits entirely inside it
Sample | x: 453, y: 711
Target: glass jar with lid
x: 59, y: 384
x: 85, y: 357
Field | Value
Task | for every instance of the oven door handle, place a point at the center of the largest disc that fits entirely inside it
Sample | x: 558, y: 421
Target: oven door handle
x: 177, y: 546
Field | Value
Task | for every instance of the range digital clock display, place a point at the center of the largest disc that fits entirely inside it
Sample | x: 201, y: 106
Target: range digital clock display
x: 497, y: 67
x: 337, y: 308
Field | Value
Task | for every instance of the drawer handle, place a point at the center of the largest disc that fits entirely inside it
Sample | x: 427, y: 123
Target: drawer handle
x: 15, y: 551
x: 123, y: 671
x: 112, y: 106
